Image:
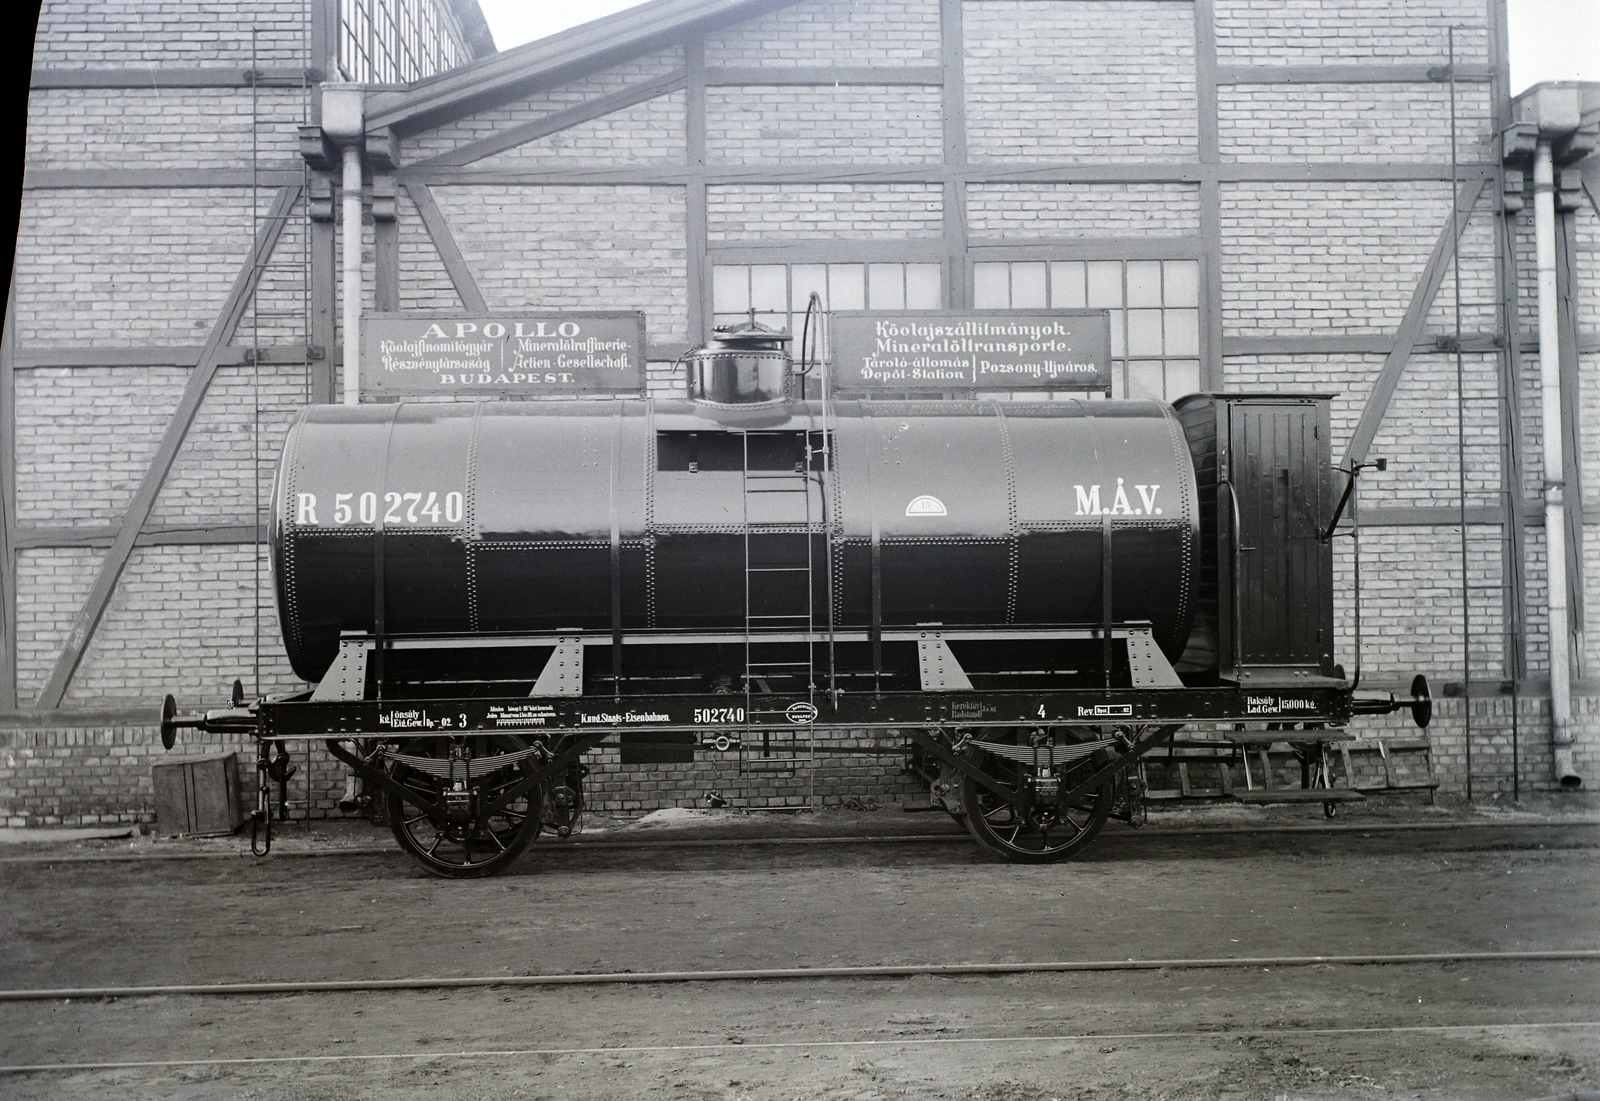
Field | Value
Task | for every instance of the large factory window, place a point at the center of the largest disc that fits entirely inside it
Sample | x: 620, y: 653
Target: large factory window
x: 779, y: 292
x: 398, y: 41
x: 1154, y: 304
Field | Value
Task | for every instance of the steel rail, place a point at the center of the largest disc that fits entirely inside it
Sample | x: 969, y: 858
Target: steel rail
x: 770, y: 974
x: 1232, y: 1034
x: 845, y: 839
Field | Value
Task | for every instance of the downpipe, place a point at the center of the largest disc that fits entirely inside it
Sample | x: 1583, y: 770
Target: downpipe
x: 351, y: 231
x: 1555, y: 521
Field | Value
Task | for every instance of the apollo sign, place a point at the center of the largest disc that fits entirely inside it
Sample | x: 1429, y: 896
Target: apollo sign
x: 532, y: 354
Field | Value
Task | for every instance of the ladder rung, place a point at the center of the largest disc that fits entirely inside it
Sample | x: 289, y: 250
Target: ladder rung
x: 777, y: 569
x: 794, y: 616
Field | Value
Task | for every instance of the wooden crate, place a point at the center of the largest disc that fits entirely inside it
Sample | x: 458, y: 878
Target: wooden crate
x: 198, y: 796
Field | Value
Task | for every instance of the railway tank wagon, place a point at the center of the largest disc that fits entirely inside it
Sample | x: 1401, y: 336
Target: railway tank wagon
x: 1027, y: 595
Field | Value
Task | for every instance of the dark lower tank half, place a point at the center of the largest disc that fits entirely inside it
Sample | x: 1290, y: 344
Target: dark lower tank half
x: 672, y: 515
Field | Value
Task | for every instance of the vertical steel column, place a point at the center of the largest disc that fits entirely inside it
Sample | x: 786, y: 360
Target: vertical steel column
x: 953, y: 110
x: 8, y: 503
x: 694, y: 193
x: 1209, y: 141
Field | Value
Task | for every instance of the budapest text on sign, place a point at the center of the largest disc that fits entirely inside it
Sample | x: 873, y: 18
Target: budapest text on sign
x: 503, y: 355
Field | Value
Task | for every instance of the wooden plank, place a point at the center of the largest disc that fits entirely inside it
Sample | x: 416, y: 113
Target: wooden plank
x: 1349, y: 74
x: 831, y: 75
x: 554, y: 123
x: 131, y: 78
x: 1411, y: 326
x: 30, y: 537
x: 194, y: 392
x: 1300, y: 795
x: 8, y: 501
x: 277, y: 174
x: 445, y: 243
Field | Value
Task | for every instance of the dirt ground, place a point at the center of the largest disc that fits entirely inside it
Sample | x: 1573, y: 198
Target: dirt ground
x: 738, y: 892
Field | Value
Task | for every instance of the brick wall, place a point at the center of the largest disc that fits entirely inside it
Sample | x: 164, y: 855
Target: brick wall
x: 1371, y: 123
x: 85, y: 437
x: 832, y: 32
x: 1308, y: 32
x: 85, y: 34
x: 851, y: 212
x: 122, y: 268
x: 1082, y: 210
x: 1092, y: 81
x: 845, y: 124
x: 131, y: 128
x: 1325, y: 258
x: 577, y: 248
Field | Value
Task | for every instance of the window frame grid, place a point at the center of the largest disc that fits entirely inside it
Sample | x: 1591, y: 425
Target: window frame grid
x: 1125, y: 362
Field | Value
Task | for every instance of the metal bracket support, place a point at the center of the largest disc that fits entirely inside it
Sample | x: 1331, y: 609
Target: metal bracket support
x: 1138, y: 748
x: 379, y: 777
x: 346, y: 678
x: 1147, y: 664
x: 563, y: 673
x: 940, y: 670
x: 932, y: 745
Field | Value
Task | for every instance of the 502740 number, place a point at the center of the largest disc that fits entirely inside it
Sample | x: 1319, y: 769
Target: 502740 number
x: 719, y: 714
x: 428, y: 509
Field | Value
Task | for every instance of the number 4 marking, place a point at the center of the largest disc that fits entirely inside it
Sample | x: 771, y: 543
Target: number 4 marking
x: 1041, y: 710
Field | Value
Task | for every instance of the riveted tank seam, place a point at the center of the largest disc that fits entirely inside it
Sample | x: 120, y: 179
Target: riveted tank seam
x: 1013, y: 562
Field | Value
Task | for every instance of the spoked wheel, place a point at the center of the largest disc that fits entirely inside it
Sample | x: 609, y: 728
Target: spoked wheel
x: 1051, y: 828
x: 463, y: 837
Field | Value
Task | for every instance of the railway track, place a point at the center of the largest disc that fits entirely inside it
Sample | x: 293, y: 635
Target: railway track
x: 775, y: 974
x: 619, y: 844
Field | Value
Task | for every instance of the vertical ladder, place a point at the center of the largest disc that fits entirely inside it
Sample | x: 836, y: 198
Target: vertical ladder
x: 779, y: 586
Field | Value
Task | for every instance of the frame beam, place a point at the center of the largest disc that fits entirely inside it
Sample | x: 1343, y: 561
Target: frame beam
x: 554, y: 123
x: 94, y: 606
